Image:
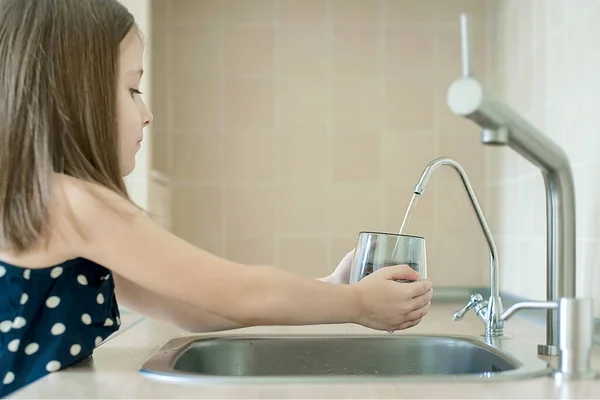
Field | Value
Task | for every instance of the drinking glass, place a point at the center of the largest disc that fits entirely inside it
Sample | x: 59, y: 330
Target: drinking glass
x: 376, y: 250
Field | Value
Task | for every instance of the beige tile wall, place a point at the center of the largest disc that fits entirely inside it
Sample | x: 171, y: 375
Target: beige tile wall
x: 287, y: 126
x: 545, y: 65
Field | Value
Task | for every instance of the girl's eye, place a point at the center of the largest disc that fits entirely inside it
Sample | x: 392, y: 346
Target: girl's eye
x: 134, y: 91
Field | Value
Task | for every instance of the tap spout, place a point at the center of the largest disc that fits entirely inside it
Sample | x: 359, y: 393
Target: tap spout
x: 494, y: 324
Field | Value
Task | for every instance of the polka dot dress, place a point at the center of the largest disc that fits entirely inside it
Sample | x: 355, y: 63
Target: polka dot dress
x: 51, y: 318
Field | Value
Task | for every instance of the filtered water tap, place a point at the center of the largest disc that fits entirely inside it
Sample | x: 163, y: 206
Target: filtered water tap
x: 489, y: 311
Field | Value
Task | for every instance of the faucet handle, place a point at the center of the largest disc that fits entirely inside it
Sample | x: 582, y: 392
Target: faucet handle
x: 475, y: 300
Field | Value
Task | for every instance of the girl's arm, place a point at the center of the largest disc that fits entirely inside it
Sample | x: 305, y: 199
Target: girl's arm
x: 121, y: 237
x: 105, y: 228
x: 172, y: 312
x: 168, y: 311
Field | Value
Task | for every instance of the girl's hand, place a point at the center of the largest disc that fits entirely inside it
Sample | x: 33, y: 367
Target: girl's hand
x: 385, y: 304
x: 341, y: 274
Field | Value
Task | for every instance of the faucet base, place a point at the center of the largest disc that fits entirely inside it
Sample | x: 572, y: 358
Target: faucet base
x: 547, y: 350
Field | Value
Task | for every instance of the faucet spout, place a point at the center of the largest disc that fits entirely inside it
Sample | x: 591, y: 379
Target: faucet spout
x: 494, y: 324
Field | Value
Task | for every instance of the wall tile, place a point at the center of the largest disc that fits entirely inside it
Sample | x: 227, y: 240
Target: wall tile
x: 210, y: 243
x: 409, y: 104
x: 159, y: 80
x: 304, y: 210
x: 197, y: 11
x: 160, y: 152
x: 409, y: 49
x: 250, y: 250
x: 255, y: 11
x: 356, y: 12
x: 590, y: 268
x: 160, y: 9
x: 302, y: 103
x: 356, y: 50
x: 197, y: 159
x: 303, y: 50
x: 250, y: 158
x: 305, y: 157
x: 195, y: 52
x: 203, y: 205
x: 357, y: 158
x: 408, y: 11
x: 197, y: 108
x: 308, y: 257
x: 459, y: 261
x: 455, y: 215
x: 249, y: 50
x: 357, y: 103
x: 466, y: 149
x: 340, y: 245
x: 355, y: 207
x: 404, y: 157
x: 302, y: 11
x: 251, y: 210
x: 249, y: 105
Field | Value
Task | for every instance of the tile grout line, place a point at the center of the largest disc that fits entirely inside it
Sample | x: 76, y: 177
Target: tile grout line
x: 276, y: 78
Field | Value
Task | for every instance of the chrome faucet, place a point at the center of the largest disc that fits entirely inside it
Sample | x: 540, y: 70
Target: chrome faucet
x: 501, y: 125
x: 488, y: 311
x: 576, y: 316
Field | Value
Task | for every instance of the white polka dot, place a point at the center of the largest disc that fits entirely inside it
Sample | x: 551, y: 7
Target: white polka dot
x: 108, y: 322
x: 118, y: 320
x: 86, y: 319
x: 5, y: 326
x: 98, y: 341
x: 53, y: 366
x: 82, y: 280
x: 2, y: 271
x: 58, y: 329
x: 27, y: 273
x: 107, y: 277
x: 14, y: 345
x: 53, y: 302
x: 19, y: 322
x: 8, y: 378
x: 100, y: 298
x: 75, y: 349
x: 56, y: 272
x: 24, y: 298
x: 32, y: 348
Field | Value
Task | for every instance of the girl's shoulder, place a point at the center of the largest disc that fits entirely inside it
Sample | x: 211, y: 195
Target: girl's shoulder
x: 82, y: 210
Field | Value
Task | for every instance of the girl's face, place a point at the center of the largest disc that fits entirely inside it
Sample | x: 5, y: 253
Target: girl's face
x: 133, y: 113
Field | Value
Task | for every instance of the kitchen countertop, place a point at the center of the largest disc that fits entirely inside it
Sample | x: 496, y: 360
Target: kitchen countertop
x: 113, y: 370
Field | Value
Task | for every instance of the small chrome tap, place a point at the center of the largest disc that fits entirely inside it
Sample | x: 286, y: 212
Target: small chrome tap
x: 489, y: 311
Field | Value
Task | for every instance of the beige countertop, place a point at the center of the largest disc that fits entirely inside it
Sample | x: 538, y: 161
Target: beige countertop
x: 113, y: 370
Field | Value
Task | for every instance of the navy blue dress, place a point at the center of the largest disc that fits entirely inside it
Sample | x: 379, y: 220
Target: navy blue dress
x: 51, y: 318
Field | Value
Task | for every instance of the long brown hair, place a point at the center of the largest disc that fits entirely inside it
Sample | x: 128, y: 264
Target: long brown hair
x: 59, y: 66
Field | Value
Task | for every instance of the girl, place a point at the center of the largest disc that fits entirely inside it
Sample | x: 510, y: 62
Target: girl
x: 71, y: 241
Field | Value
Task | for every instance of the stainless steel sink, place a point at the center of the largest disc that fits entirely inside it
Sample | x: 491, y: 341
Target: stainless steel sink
x: 339, y: 358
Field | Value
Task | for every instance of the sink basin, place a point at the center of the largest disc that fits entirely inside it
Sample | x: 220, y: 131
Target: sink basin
x: 334, y: 358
